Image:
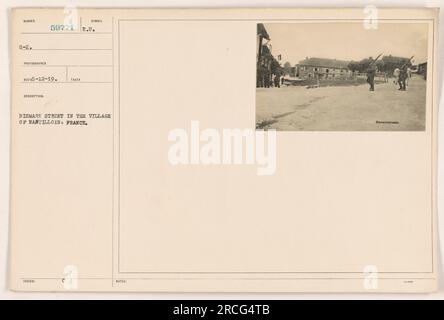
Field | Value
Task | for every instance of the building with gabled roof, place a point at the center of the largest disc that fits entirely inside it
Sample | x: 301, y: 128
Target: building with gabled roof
x: 322, y: 68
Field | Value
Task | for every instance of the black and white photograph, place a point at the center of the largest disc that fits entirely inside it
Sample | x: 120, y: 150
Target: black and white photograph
x: 341, y: 76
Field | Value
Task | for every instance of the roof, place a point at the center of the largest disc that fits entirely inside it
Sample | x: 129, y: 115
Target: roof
x: 262, y: 31
x: 323, y: 62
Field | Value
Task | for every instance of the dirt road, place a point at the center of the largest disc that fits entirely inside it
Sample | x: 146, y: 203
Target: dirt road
x: 348, y: 108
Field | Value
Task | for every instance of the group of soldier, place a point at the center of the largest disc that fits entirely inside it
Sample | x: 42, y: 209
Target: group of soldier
x: 266, y: 79
x: 401, y: 75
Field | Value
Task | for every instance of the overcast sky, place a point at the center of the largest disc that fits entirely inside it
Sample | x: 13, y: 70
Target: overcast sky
x: 347, y: 41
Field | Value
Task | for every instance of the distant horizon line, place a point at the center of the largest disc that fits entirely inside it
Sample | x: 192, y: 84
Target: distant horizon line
x: 345, y: 60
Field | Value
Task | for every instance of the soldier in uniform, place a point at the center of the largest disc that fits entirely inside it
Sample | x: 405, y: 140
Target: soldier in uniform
x: 266, y: 78
x: 277, y: 80
x: 371, y: 71
x: 402, y: 78
x: 396, y: 75
x: 262, y: 76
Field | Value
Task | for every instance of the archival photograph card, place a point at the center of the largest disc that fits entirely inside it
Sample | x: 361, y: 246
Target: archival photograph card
x: 223, y: 150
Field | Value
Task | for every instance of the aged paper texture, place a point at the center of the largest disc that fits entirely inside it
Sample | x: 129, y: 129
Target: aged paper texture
x: 223, y: 150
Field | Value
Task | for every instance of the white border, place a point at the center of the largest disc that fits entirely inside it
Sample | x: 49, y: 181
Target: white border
x: 5, y: 6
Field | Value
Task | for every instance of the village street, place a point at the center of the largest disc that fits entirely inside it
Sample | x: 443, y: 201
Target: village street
x: 343, y: 108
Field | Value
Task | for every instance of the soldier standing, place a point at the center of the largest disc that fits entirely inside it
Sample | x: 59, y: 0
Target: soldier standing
x: 260, y: 78
x: 402, y: 78
x: 277, y: 80
x: 396, y: 75
x: 371, y: 71
x: 266, y: 78
x: 404, y: 74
